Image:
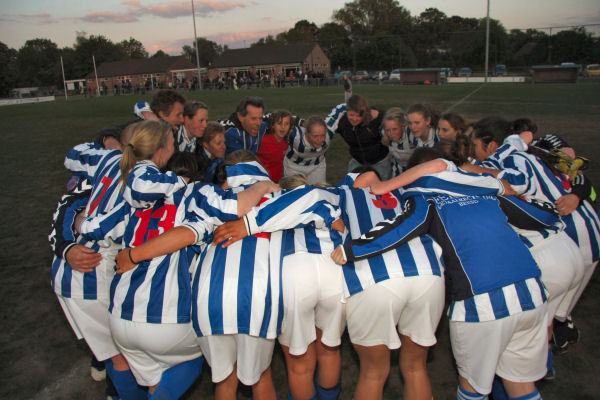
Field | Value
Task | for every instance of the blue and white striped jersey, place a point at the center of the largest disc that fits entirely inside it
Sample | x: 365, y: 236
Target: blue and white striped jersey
x: 305, y: 214
x: 361, y: 211
x: 159, y: 290
x: 146, y: 184
x: 183, y: 141
x: 101, y: 167
x: 236, y: 138
x: 491, y: 273
x: 301, y: 152
x: 403, y: 148
x: 236, y: 289
x: 529, y: 177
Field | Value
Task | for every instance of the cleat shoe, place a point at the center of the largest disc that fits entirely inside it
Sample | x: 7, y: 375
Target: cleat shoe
x: 560, y: 333
x: 572, y: 332
x: 111, y: 391
x: 97, y: 370
x: 551, y: 375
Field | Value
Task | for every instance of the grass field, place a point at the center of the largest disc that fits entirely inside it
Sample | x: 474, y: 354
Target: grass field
x: 43, y: 360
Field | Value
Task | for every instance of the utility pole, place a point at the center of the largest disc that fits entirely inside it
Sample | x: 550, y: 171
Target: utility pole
x: 62, y: 67
x: 196, y: 46
x: 96, y: 75
x: 487, y: 40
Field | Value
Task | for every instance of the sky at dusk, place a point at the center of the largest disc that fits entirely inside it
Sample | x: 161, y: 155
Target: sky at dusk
x: 167, y: 25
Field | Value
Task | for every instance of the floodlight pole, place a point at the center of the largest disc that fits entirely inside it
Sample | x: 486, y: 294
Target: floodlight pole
x: 196, y: 46
x: 487, y: 40
x: 96, y: 75
x: 62, y: 67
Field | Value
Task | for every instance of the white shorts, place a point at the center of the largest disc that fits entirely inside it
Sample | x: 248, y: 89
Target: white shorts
x: 514, y: 348
x: 89, y: 320
x: 560, y: 261
x: 252, y: 355
x: 151, y: 349
x: 314, y: 173
x: 409, y: 305
x: 312, y: 290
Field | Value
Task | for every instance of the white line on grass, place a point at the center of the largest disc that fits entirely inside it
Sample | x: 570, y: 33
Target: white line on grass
x: 465, y: 98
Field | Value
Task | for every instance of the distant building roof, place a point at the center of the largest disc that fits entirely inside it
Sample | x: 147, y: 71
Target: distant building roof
x: 142, y: 66
x: 264, y: 55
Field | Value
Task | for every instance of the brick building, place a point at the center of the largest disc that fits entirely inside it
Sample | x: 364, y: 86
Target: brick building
x: 148, y: 73
x: 272, y: 60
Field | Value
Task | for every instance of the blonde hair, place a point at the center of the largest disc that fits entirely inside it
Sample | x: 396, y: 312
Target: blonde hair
x: 240, y: 156
x: 146, y: 138
x: 293, y: 181
x: 395, y: 114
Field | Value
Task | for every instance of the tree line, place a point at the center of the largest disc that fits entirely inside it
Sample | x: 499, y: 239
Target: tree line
x: 364, y: 34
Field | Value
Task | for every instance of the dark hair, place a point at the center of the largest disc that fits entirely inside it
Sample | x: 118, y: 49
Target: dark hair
x: 491, y: 129
x: 163, y: 101
x: 254, y: 101
x: 455, y: 120
x: 315, y: 120
x: 359, y: 104
x: 190, y: 108
x: 232, y: 158
x: 421, y: 155
x: 522, y: 125
x: 213, y: 128
x: 186, y: 164
x: 427, y: 110
x: 361, y: 169
x: 457, y: 151
x: 276, y: 116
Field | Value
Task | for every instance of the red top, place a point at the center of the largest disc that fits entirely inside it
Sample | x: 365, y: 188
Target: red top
x: 271, y: 153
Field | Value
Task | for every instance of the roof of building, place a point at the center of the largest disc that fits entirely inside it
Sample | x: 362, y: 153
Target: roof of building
x: 264, y: 55
x: 142, y: 66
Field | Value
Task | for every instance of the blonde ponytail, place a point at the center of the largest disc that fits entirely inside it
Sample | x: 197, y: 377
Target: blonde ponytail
x: 147, y: 137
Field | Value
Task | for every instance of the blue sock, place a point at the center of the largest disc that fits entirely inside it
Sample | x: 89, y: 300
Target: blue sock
x: 177, y: 379
x: 550, y: 361
x: 535, y: 395
x: 498, y: 391
x: 327, y: 394
x: 462, y: 394
x: 314, y: 396
x: 125, y: 383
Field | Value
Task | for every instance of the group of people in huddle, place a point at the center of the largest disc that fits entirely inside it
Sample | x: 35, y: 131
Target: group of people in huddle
x: 183, y: 241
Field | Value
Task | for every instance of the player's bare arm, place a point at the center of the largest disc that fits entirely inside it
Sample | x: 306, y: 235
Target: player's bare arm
x: 230, y: 232
x: 82, y: 258
x: 165, y: 243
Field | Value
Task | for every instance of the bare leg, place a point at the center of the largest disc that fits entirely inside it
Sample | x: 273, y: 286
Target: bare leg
x: 517, y: 389
x: 264, y: 388
x: 227, y: 388
x: 301, y: 371
x: 413, y: 365
x: 374, y: 370
x: 464, y: 383
x: 330, y: 363
x: 120, y: 363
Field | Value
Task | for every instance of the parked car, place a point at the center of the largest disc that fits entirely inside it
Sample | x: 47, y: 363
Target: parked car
x: 339, y: 75
x: 592, y: 70
x: 465, y: 71
x: 361, y: 75
x: 375, y: 75
x: 500, y: 70
x: 395, y: 74
x: 445, y: 72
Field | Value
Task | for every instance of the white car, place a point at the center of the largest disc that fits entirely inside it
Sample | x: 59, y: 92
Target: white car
x: 395, y: 74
